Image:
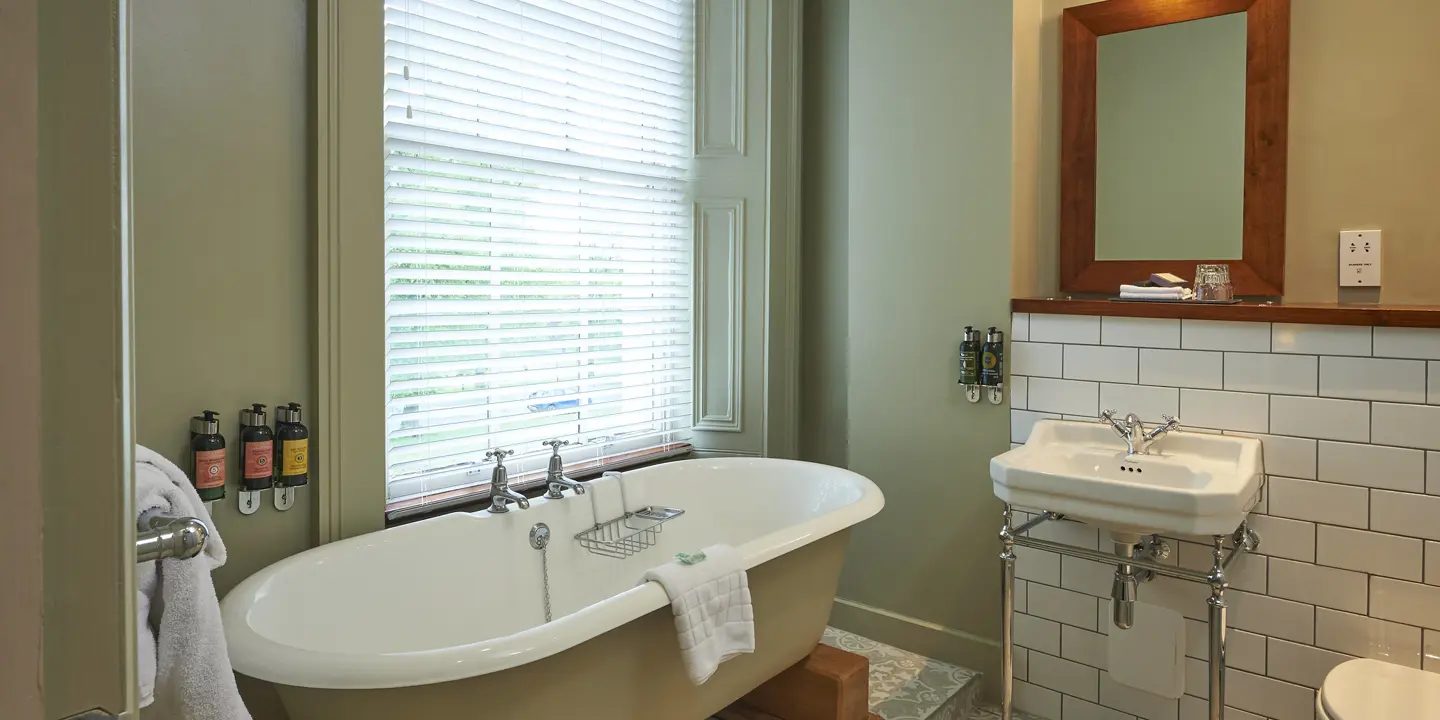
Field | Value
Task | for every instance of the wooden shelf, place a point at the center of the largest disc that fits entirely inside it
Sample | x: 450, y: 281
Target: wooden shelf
x: 1418, y: 316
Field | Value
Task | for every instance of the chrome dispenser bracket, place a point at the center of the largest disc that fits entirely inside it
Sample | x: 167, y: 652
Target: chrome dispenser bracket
x: 249, y: 501
x: 972, y: 393
x: 284, y: 497
x: 997, y: 394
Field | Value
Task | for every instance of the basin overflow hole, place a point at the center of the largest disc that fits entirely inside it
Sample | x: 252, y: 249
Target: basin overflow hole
x: 1127, y: 468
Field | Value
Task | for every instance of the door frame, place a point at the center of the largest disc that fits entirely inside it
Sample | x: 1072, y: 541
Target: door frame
x: 86, y: 364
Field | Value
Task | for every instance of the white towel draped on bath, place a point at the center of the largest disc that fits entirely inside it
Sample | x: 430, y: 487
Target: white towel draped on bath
x: 714, y: 619
x: 184, y: 664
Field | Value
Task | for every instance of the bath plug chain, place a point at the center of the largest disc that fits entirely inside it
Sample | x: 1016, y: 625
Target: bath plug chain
x: 539, y: 539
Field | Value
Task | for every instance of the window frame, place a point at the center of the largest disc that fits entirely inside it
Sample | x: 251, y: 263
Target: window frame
x: 349, y: 427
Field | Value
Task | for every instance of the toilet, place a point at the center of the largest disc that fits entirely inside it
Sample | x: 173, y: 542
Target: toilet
x: 1374, y: 690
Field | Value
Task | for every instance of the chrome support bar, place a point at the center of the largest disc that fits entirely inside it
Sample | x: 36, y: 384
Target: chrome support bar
x: 170, y: 537
x: 1137, y: 563
x: 1007, y: 611
x: 1218, y: 629
x: 1245, y: 540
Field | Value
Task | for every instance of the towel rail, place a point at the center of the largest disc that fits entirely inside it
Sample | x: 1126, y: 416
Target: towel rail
x: 170, y: 537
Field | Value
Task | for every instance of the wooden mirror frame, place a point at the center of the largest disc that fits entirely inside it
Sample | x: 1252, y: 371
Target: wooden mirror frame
x: 1261, y: 269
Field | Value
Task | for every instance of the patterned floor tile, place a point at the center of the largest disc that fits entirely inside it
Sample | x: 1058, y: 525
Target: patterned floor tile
x: 992, y: 712
x: 907, y: 686
x: 903, y: 685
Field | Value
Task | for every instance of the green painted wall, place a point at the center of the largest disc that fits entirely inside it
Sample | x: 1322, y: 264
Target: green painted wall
x: 224, y: 273
x: 928, y: 253
x: 825, y: 266
x: 1170, y: 145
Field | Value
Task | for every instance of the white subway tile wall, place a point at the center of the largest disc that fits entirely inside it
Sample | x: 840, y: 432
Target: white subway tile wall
x: 1079, y: 329
x: 1407, y: 343
x: 1320, y: 418
x: 1106, y: 364
x: 1416, y: 426
x: 1071, y: 397
x: 1150, y: 403
x: 1377, y: 466
x: 1400, y: 381
x: 1213, y: 335
x: 1432, y: 473
x: 1225, y: 410
x: 1320, y: 339
x: 1036, y: 359
x: 1182, y: 368
x: 1349, y: 560
x: 1363, y: 636
x: 1140, y: 332
x: 1271, y: 373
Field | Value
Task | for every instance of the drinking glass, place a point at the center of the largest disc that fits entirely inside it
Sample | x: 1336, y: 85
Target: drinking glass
x: 1212, y: 282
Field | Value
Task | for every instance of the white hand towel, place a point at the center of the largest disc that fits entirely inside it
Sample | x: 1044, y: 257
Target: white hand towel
x: 1145, y: 290
x: 185, y: 652
x: 1136, y: 292
x: 714, y: 619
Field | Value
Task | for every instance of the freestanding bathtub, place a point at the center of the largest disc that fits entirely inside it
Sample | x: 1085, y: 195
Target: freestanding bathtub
x: 445, y: 618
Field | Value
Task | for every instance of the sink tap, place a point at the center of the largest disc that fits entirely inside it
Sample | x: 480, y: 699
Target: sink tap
x: 500, y: 493
x: 1171, y: 423
x: 555, y: 473
x: 1132, y: 431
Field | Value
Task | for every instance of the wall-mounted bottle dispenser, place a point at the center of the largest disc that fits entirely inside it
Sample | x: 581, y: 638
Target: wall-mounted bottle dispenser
x: 293, y: 439
x: 257, y: 457
x: 970, y: 363
x: 992, y: 365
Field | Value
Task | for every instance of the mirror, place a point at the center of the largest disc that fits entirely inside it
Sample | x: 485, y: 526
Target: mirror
x: 1173, y: 141
x: 1170, y: 145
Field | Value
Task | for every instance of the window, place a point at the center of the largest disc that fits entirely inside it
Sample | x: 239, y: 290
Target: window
x: 537, y: 232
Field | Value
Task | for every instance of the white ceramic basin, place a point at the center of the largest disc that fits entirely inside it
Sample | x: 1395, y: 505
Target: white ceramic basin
x: 1190, y: 483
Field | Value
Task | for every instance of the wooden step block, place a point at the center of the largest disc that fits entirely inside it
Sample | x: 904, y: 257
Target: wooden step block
x: 829, y: 684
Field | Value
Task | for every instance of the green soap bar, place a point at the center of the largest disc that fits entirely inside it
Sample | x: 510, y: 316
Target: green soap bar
x: 690, y: 558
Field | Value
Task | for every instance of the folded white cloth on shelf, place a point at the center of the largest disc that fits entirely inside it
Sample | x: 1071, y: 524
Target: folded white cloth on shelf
x: 184, y: 664
x: 714, y: 618
x: 1140, y: 292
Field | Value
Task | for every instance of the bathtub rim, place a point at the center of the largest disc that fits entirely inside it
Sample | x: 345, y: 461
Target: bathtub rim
x: 258, y: 656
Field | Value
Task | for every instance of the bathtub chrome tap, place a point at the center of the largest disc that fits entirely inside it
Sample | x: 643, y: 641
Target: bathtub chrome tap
x: 500, y: 493
x: 1132, y: 431
x: 555, y: 478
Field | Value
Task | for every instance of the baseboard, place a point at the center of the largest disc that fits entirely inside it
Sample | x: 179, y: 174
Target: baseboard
x: 924, y: 637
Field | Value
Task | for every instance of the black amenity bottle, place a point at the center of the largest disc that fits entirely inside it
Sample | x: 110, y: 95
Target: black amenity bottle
x: 294, y: 450
x: 257, y: 450
x: 992, y: 359
x: 970, y: 357
x: 207, y: 456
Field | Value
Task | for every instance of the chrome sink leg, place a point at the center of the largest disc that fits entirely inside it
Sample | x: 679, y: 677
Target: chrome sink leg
x: 1217, y: 630
x: 1007, y: 617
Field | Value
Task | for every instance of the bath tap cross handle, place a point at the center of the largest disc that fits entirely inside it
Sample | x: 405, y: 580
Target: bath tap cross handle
x: 555, y: 445
x: 498, y: 455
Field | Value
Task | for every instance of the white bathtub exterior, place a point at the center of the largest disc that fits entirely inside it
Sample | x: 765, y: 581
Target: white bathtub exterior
x: 459, y: 596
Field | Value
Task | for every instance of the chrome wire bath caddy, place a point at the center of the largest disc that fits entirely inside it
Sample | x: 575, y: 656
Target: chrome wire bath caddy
x: 628, y: 534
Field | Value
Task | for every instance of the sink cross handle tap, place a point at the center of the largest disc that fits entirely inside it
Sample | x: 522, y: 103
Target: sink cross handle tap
x: 1137, y: 439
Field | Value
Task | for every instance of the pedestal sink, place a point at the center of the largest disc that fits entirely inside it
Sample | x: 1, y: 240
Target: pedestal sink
x: 1191, y: 483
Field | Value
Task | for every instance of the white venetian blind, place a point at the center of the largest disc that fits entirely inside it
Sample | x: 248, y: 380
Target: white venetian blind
x: 537, y: 157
